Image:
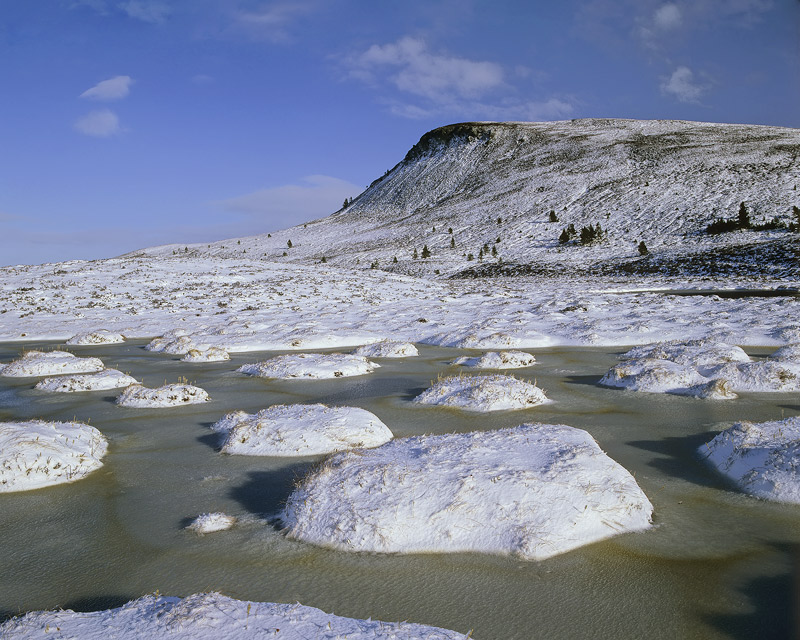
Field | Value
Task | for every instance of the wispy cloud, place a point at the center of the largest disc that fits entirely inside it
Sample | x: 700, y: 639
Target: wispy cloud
x: 102, y: 123
x: 273, y: 21
x: 314, y: 197
x: 683, y: 85
x: 145, y: 10
x: 114, y: 88
x: 412, y: 68
x: 417, y: 83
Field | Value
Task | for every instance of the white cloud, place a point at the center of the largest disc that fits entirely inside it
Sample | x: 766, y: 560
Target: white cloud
x: 413, y: 69
x: 112, y: 89
x: 100, y: 124
x: 668, y: 16
x: 146, y: 11
x: 316, y: 196
x: 272, y: 21
x: 683, y: 85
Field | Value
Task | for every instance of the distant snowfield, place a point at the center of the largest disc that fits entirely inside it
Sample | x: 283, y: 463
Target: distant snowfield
x: 535, y: 491
x: 241, y: 305
x: 211, y: 616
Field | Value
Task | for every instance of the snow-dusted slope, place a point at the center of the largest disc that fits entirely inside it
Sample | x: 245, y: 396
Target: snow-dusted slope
x: 493, y: 186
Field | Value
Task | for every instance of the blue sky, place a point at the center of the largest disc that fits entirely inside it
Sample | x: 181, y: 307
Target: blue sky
x: 131, y: 123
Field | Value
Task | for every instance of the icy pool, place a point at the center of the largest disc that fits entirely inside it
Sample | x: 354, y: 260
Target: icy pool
x: 718, y: 564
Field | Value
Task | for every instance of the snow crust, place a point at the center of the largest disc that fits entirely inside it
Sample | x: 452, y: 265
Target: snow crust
x: 483, y: 393
x: 211, y: 522
x: 98, y: 336
x: 212, y: 354
x: 300, y: 430
x: 705, y: 369
x: 315, y: 366
x: 170, y: 395
x: 50, y: 363
x: 387, y: 349
x: 106, y: 379
x: 498, y: 360
x: 211, y: 616
x: 35, y: 453
x: 761, y: 458
x: 534, y: 490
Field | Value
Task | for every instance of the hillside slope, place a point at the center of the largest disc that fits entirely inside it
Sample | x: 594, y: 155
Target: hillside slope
x: 512, y: 188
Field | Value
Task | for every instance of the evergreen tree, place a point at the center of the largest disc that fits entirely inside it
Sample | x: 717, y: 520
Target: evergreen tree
x: 324, y: 260
x: 553, y: 217
x: 289, y: 244
x: 744, y: 217
x: 494, y: 252
x: 394, y: 260
x: 426, y: 253
x: 642, y: 248
x: 470, y: 256
x: 414, y: 256
x: 452, y: 243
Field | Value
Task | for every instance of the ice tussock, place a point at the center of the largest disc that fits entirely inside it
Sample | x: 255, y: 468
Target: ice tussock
x: 498, y: 360
x: 50, y: 363
x: 316, y: 366
x: 705, y: 369
x: 212, y: 354
x: 211, y: 522
x: 101, y: 381
x: 37, y: 454
x: 300, y: 430
x: 534, y: 490
x: 387, y: 349
x: 98, y: 336
x: 170, y: 395
x: 210, y: 616
x: 763, y: 459
x: 483, y: 393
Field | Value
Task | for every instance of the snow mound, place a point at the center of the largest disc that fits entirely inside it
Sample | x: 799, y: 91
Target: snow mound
x: 534, y: 491
x: 36, y: 453
x: 475, y: 339
x: 498, y: 360
x: 483, y: 393
x: 311, y: 365
x: 50, y: 363
x: 106, y: 379
x: 387, y: 349
x: 211, y: 522
x: 175, y: 342
x: 300, y: 430
x: 209, y: 616
x: 762, y: 459
x: 212, y: 354
x: 790, y: 352
x: 170, y: 395
x: 704, y: 369
x: 99, y: 336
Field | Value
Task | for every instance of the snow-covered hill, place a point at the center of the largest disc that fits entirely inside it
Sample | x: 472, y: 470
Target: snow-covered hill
x: 508, y: 190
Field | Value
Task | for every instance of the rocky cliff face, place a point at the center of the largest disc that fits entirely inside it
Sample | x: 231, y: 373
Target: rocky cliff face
x: 506, y: 191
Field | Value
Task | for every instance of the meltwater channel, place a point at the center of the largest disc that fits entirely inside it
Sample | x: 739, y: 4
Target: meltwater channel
x: 717, y: 564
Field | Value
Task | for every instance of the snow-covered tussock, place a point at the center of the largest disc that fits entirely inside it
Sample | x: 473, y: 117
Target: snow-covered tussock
x: 211, y: 616
x: 300, y: 430
x: 106, y: 379
x: 762, y: 459
x: 387, y: 349
x: 50, y: 363
x: 702, y: 368
x: 535, y: 490
x: 175, y: 343
x: 170, y: 395
x: 498, y: 360
x: 212, y: 354
x: 311, y: 365
x: 36, y: 453
x: 483, y: 393
x: 211, y: 522
x: 98, y: 336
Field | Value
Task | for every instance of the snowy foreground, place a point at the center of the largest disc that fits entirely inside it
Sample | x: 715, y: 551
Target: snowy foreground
x: 37, y: 454
x: 534, y: 491
x: 705, y: 369
x: 762, y: 459
x: 300, y: 430
x: 210, y: 616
